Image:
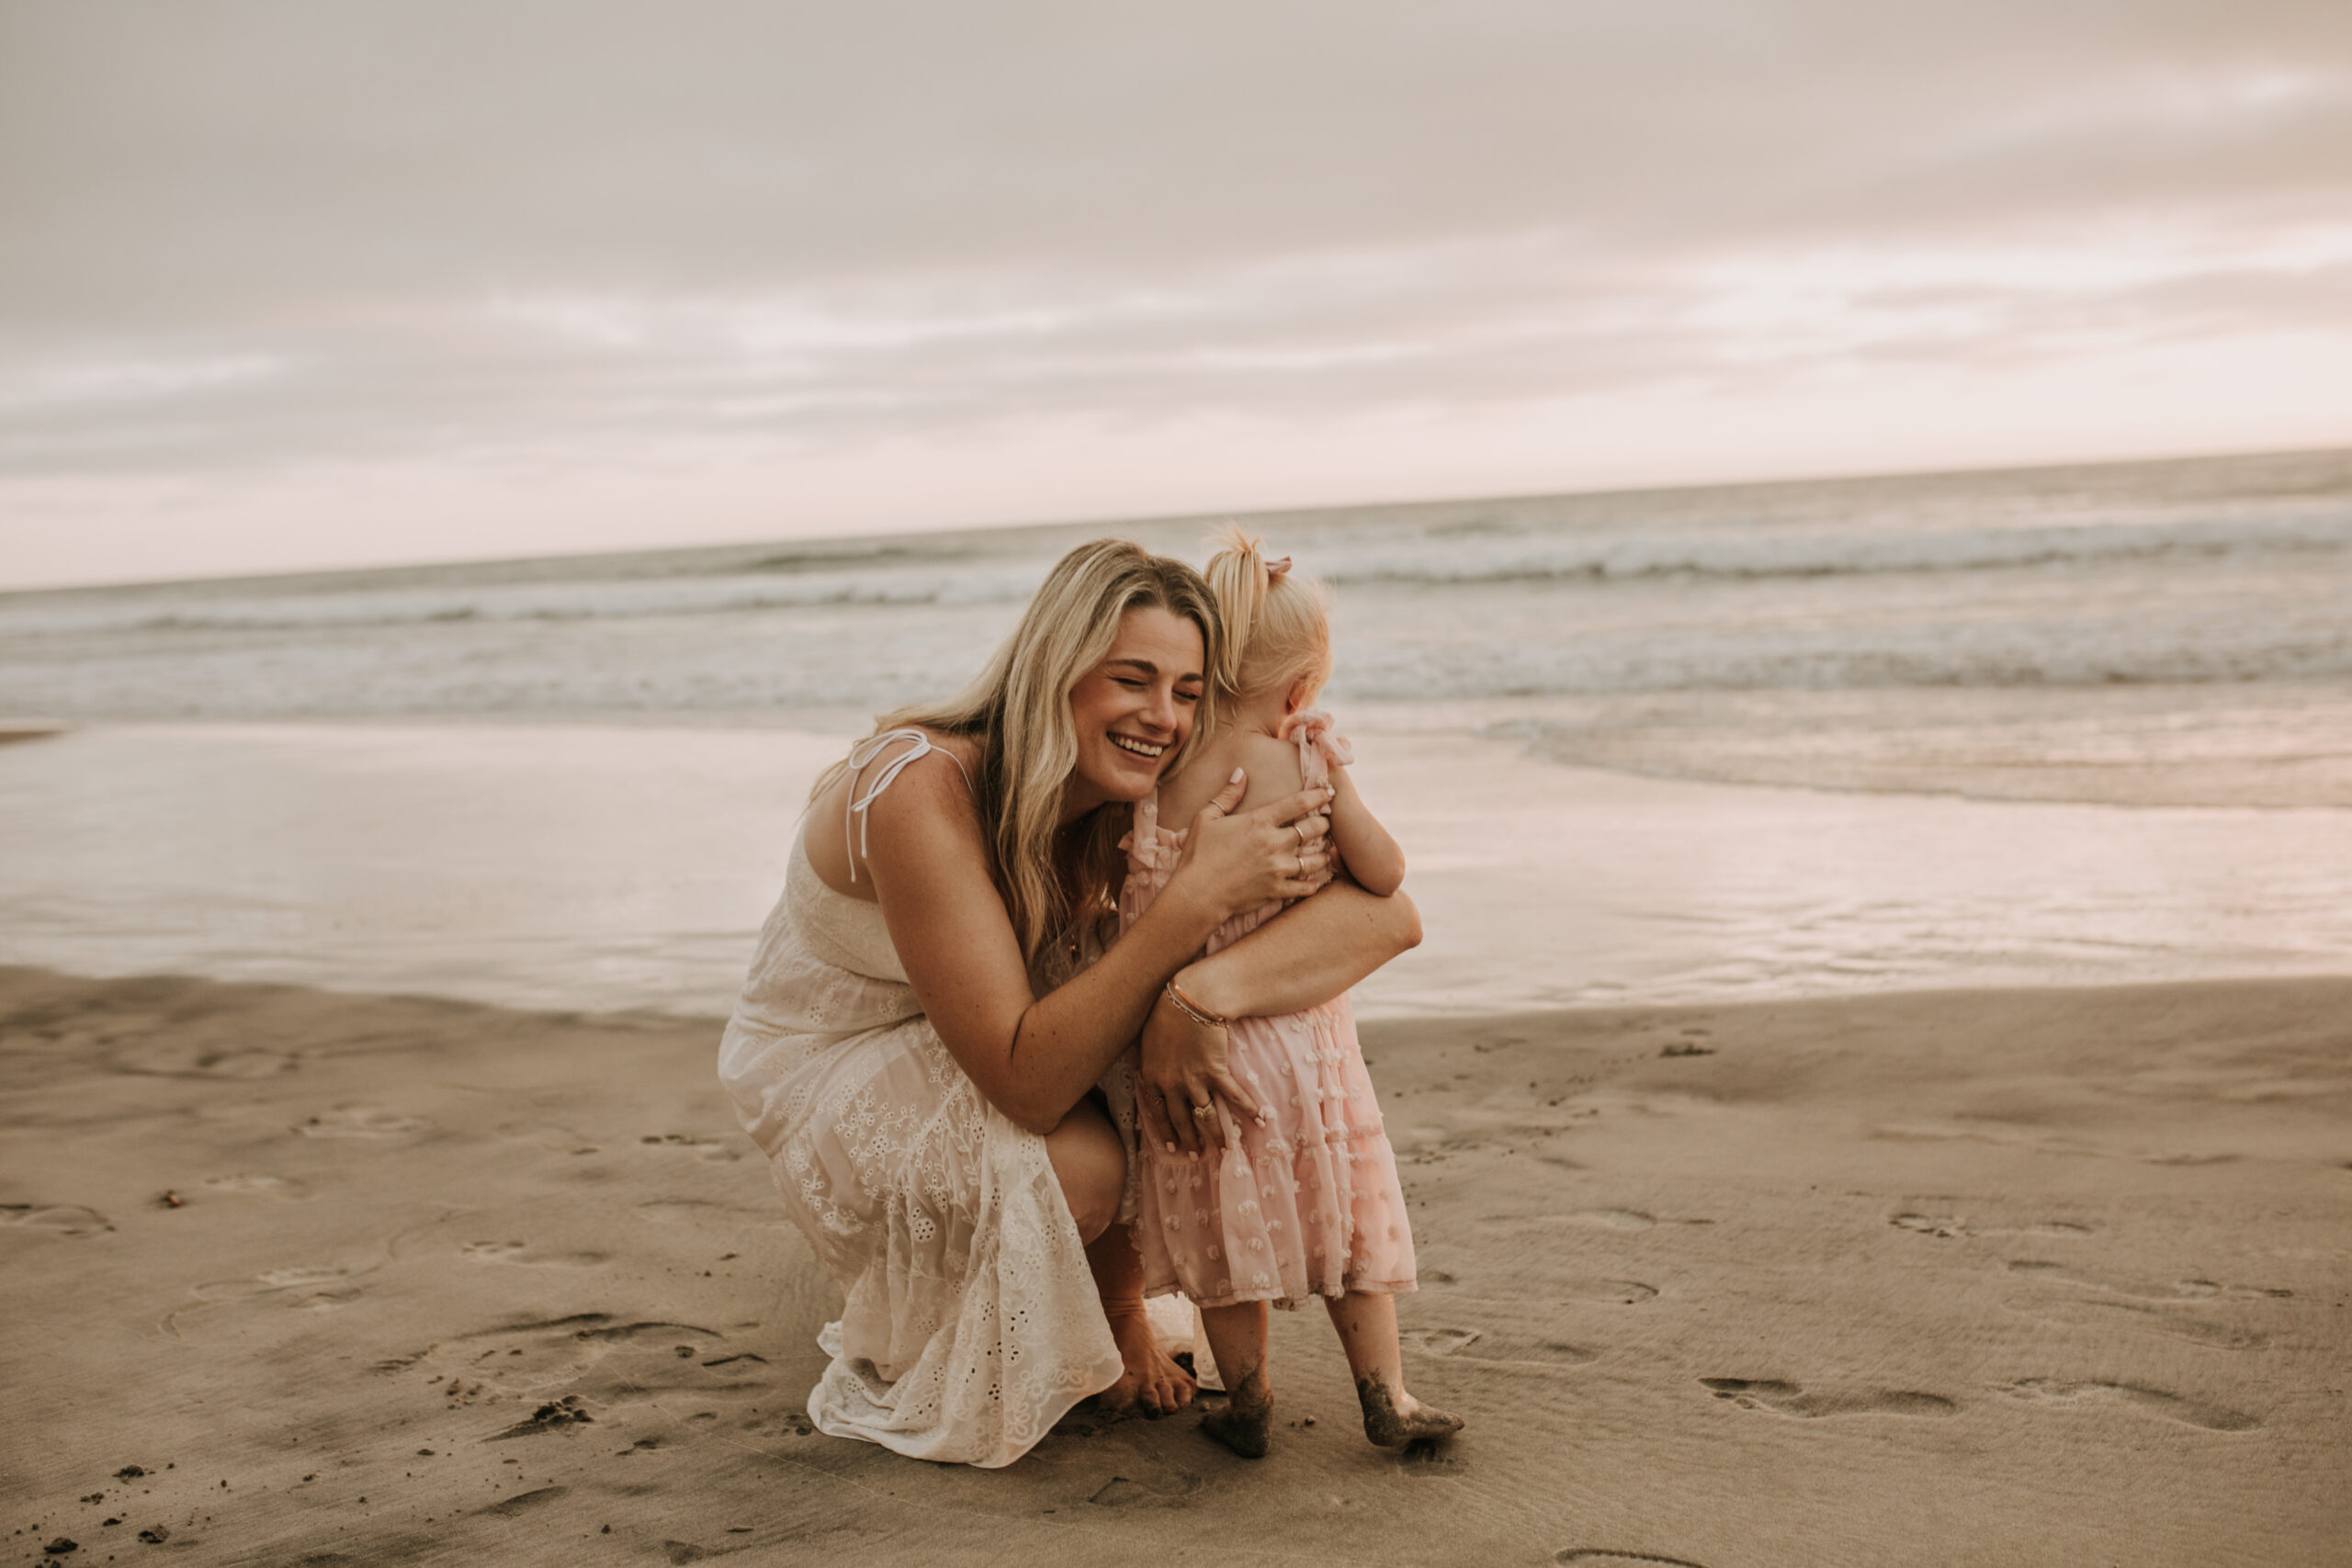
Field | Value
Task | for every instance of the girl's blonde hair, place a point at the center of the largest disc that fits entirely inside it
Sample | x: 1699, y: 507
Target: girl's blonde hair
x: 1018, y: 708
x: 1277, y: 624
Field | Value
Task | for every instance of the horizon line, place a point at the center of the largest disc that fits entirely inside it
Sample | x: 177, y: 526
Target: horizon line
x: 1159, y: 520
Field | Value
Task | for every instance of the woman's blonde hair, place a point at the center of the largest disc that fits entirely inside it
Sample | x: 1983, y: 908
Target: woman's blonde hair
x: 1277, y: 624
x: 1018, y: 708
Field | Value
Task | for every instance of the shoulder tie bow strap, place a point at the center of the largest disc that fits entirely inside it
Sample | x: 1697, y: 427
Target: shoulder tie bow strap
x: 863, y: 753
x: 1311, y: 728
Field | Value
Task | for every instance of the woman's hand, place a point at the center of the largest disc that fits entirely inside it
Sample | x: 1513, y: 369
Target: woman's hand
x: 1183, y: 1075
x: 1235, y: 864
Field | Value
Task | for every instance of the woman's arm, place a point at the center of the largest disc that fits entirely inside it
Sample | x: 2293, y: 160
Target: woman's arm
x: 1307, y: 954
x: 1370, y: 851
x: 1033, y: 1058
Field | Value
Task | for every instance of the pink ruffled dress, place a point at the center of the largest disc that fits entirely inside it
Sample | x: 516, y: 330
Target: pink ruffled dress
x: 1307, y: 1204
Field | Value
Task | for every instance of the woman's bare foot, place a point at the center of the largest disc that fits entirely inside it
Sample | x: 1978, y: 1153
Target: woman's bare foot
x: 1151, y: 1385
x: 1393, y: 1417
x: 1245, y: 1425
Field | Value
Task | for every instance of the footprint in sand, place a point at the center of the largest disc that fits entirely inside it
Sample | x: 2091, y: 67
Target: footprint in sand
x: 1616, y: 1292
x: 1950, y: 1226
x: 2155, y: 1401
x: 169, y: 1059
x: 54, y: 1219
x: 1791, y: 1399
x: 540, y: 1357
x: 715, y: 1149
x: 1945, y: 1225
x: 271, y: 1186
x: 1475, y: 1345
x: 520, y: 1252
x: 2155, y: 1319
x: 524, y: 1502
x: 1509, y: 1350
x: 2143, y: 1290
x: 317, y: 1287
x: 360, y: 1122
x: 1161, y: 1491
x: 703, y: 1212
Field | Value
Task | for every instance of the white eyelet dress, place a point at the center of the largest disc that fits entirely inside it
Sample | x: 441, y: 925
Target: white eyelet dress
x: 972, y: 1322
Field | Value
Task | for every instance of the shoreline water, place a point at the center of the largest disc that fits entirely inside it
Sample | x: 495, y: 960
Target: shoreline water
x: 630, y: 866
x: 2056, y: 1272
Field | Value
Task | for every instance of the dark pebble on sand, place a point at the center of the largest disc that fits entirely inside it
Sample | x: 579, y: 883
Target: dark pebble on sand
x: 128, y: 1472
x: 61, y: 1546
x: 155, y: 1535
x: 685, y: 1351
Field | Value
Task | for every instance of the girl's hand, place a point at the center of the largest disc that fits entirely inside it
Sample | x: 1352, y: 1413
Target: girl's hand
x: 1183, y: 1075
x: 1233, y: 864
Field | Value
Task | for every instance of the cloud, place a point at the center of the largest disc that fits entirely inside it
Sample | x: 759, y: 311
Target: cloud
x: 244, y: 236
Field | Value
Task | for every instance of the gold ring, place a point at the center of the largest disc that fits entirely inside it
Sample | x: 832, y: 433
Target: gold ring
x: 1300, y: 828
x: 1205, y: 1110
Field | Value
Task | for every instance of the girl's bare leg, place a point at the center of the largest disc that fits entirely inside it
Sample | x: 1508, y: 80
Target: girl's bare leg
x: 1238, y: 1340
x: 1367, y: 1327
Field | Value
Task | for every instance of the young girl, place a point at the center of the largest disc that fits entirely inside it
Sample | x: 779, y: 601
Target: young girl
x: 1306, y: 1203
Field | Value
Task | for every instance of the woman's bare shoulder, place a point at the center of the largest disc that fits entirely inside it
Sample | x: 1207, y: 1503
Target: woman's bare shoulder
x: 934, y: 787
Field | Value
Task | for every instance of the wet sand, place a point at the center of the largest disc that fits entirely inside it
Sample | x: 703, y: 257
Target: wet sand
x: 2033, y: 1276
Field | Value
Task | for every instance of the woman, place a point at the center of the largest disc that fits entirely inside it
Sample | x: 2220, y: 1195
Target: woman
x: 918, y: 1045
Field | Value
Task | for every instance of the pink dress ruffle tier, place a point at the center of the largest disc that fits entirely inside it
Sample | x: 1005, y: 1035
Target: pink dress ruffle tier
x: 1308, y: 1203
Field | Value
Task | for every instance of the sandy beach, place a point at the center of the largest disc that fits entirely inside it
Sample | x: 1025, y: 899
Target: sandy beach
x: 2036, y: 1276
x: 1832, y: 527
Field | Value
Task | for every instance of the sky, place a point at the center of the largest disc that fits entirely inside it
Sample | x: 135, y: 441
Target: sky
x: 289, y: 285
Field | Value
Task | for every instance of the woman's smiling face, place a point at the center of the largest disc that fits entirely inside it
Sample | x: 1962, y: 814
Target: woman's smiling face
x: 1134, y: 708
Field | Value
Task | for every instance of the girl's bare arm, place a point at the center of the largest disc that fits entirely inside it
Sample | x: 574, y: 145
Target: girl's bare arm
x: 1370, y: 851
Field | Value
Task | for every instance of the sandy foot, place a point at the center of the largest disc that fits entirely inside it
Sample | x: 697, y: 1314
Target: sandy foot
x: 1392, y: 1420
x: 1248, y: 1429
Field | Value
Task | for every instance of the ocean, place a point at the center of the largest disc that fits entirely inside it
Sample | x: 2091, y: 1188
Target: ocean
x: 2024, y: 727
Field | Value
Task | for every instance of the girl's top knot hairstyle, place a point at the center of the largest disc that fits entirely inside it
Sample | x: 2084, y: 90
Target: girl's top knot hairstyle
x: 1277, y: 624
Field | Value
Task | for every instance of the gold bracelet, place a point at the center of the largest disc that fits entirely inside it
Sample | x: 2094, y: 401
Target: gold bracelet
x: 1193, y: 1010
